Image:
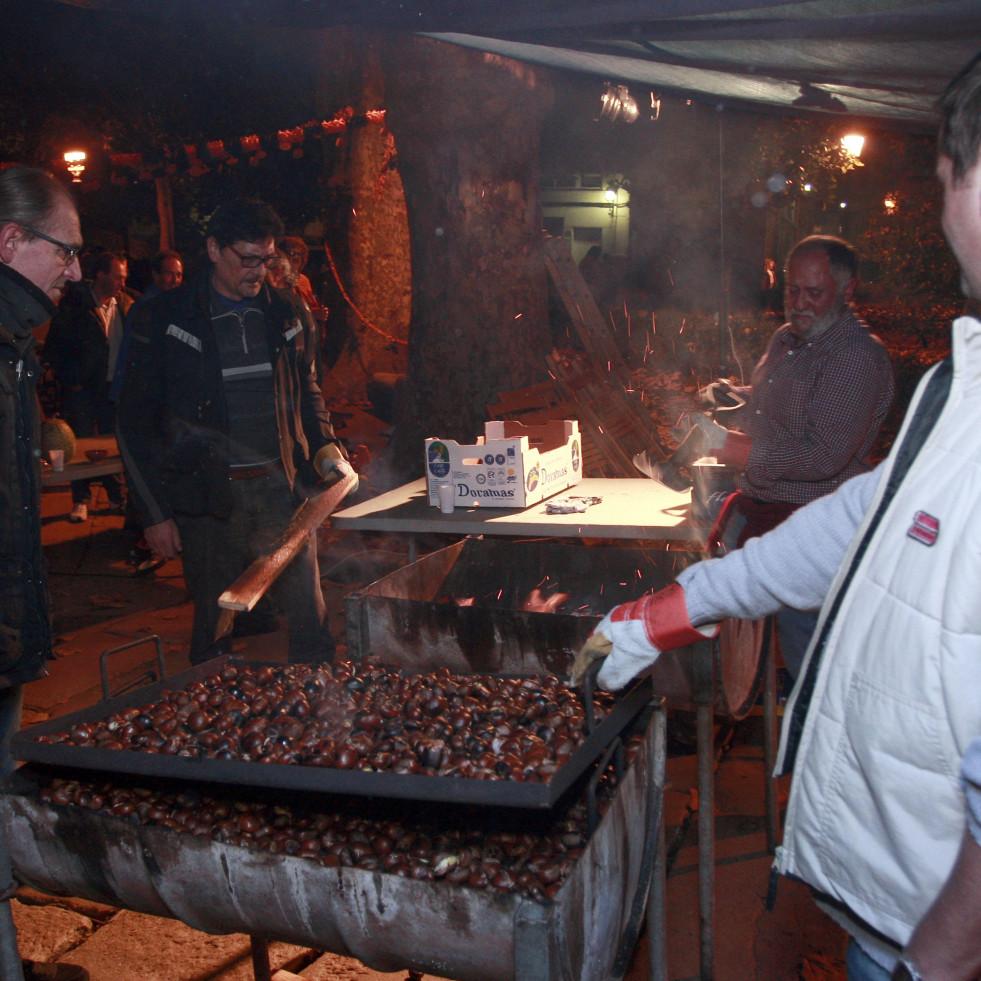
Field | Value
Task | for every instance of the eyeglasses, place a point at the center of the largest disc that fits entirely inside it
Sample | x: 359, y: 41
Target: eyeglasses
x: 254, y: 261
x: 71, y: 252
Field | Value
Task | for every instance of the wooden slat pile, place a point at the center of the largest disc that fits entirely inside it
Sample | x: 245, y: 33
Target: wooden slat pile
x: 593, y: 387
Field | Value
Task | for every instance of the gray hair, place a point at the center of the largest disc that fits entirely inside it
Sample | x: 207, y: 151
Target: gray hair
x: 841, y: 255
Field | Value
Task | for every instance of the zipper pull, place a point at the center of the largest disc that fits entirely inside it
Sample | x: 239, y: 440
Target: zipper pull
x: 20, y: 369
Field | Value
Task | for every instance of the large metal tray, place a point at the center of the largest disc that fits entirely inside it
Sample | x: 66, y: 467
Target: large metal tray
x: 26, y: 746
x: 390, y: 923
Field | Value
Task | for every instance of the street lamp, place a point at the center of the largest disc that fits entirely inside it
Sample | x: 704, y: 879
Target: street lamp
x: 852, y: 143
x: 75, y: 164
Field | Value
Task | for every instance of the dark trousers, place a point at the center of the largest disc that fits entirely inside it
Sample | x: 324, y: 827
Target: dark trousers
x: 749, y: 519
x: 92, y: 414
x: 216, y: 551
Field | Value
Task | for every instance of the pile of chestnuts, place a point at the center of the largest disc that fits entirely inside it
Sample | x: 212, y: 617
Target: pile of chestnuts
x: 358, y: 716
x: 462, y: 848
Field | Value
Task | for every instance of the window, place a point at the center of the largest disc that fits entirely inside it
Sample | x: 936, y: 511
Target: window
x: 554, y: 226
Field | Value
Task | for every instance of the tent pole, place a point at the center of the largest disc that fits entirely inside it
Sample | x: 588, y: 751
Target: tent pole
x: 723, y: 272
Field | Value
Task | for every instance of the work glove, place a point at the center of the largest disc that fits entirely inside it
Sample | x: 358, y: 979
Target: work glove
x: 632, y: 636
x: 721, y: 396
x: 332, y: 465
x: 715, y: 393
x: 715, y: 435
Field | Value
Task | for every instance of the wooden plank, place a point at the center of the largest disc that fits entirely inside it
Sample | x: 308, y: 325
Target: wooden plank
x: 618, y: 428
x: 600, y: 345
x: 251, y: 586
x: 607, y: 391
x: 521, y: 401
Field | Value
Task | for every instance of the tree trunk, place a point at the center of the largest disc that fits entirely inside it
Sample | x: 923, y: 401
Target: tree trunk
x: 467, y: 127
x: 165, y: 212
x: 368, y: 230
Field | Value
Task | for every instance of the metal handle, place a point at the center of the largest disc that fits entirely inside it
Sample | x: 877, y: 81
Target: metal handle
x: 104, y: 665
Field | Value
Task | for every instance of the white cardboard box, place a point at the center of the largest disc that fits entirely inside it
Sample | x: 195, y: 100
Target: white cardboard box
x: 510, y: 466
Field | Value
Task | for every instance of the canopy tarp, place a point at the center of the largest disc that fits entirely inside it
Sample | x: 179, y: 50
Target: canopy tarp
x: 881, y: 58
x: 886, y: 59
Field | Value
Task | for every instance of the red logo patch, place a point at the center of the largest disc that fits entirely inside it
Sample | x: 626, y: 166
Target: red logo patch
x: 925, y: 528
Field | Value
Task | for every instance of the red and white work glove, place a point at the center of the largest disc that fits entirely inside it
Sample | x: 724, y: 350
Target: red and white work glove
x: 632, y: 636
x: 332, y: 465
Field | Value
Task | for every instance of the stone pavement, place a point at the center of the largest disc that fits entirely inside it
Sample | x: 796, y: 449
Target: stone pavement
x: 101, y: 604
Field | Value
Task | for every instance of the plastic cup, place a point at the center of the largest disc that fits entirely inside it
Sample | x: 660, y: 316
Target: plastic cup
x: 57, y: 459
x: 447, y: 498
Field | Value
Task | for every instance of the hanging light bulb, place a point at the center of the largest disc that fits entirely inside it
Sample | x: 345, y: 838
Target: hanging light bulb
x: 75, y: 164
x: 618, y: 103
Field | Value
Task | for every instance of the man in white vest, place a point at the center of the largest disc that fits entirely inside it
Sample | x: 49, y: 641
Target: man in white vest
x: 883, y: 728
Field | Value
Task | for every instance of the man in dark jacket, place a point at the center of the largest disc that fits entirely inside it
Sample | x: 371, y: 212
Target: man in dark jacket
x: 81, y: 349
x: 40, y: 237
x: 222, y: 429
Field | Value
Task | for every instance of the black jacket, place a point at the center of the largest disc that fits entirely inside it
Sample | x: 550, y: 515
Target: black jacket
x: 25, y: 625
x: 76, y: 347
x: 172, y: 421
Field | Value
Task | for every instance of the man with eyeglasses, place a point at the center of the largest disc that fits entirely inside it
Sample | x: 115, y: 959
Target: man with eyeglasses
x: 223, y: 430
x: 40, y: 237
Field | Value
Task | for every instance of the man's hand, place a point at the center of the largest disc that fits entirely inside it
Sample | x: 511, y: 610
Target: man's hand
x: 721, y: 396
x: 332, y: 465
x: 945, y: 941
x: 716, y: 393
x: 631, y: 650
x: 633, y: 635
x: 597, y: 646
x: 164, y: 539
x: 715, y: 435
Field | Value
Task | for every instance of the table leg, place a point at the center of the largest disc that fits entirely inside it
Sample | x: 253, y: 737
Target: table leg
x: 770, y: 735
x: 657, y: 901
x: 261, y: 969
x: 706, y: 839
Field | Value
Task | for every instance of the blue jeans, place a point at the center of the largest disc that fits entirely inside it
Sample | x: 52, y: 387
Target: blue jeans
x: 861, y: 967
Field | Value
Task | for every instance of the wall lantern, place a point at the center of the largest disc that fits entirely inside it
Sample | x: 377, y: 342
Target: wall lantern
x: 612, y: 193
x: 75, y: 164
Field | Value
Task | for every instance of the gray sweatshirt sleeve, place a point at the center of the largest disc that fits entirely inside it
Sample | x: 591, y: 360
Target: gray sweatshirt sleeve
x: 793, y: 565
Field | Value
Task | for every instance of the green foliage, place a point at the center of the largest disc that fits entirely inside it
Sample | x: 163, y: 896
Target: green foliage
x: 908, y: 248
x: 783, y: 156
